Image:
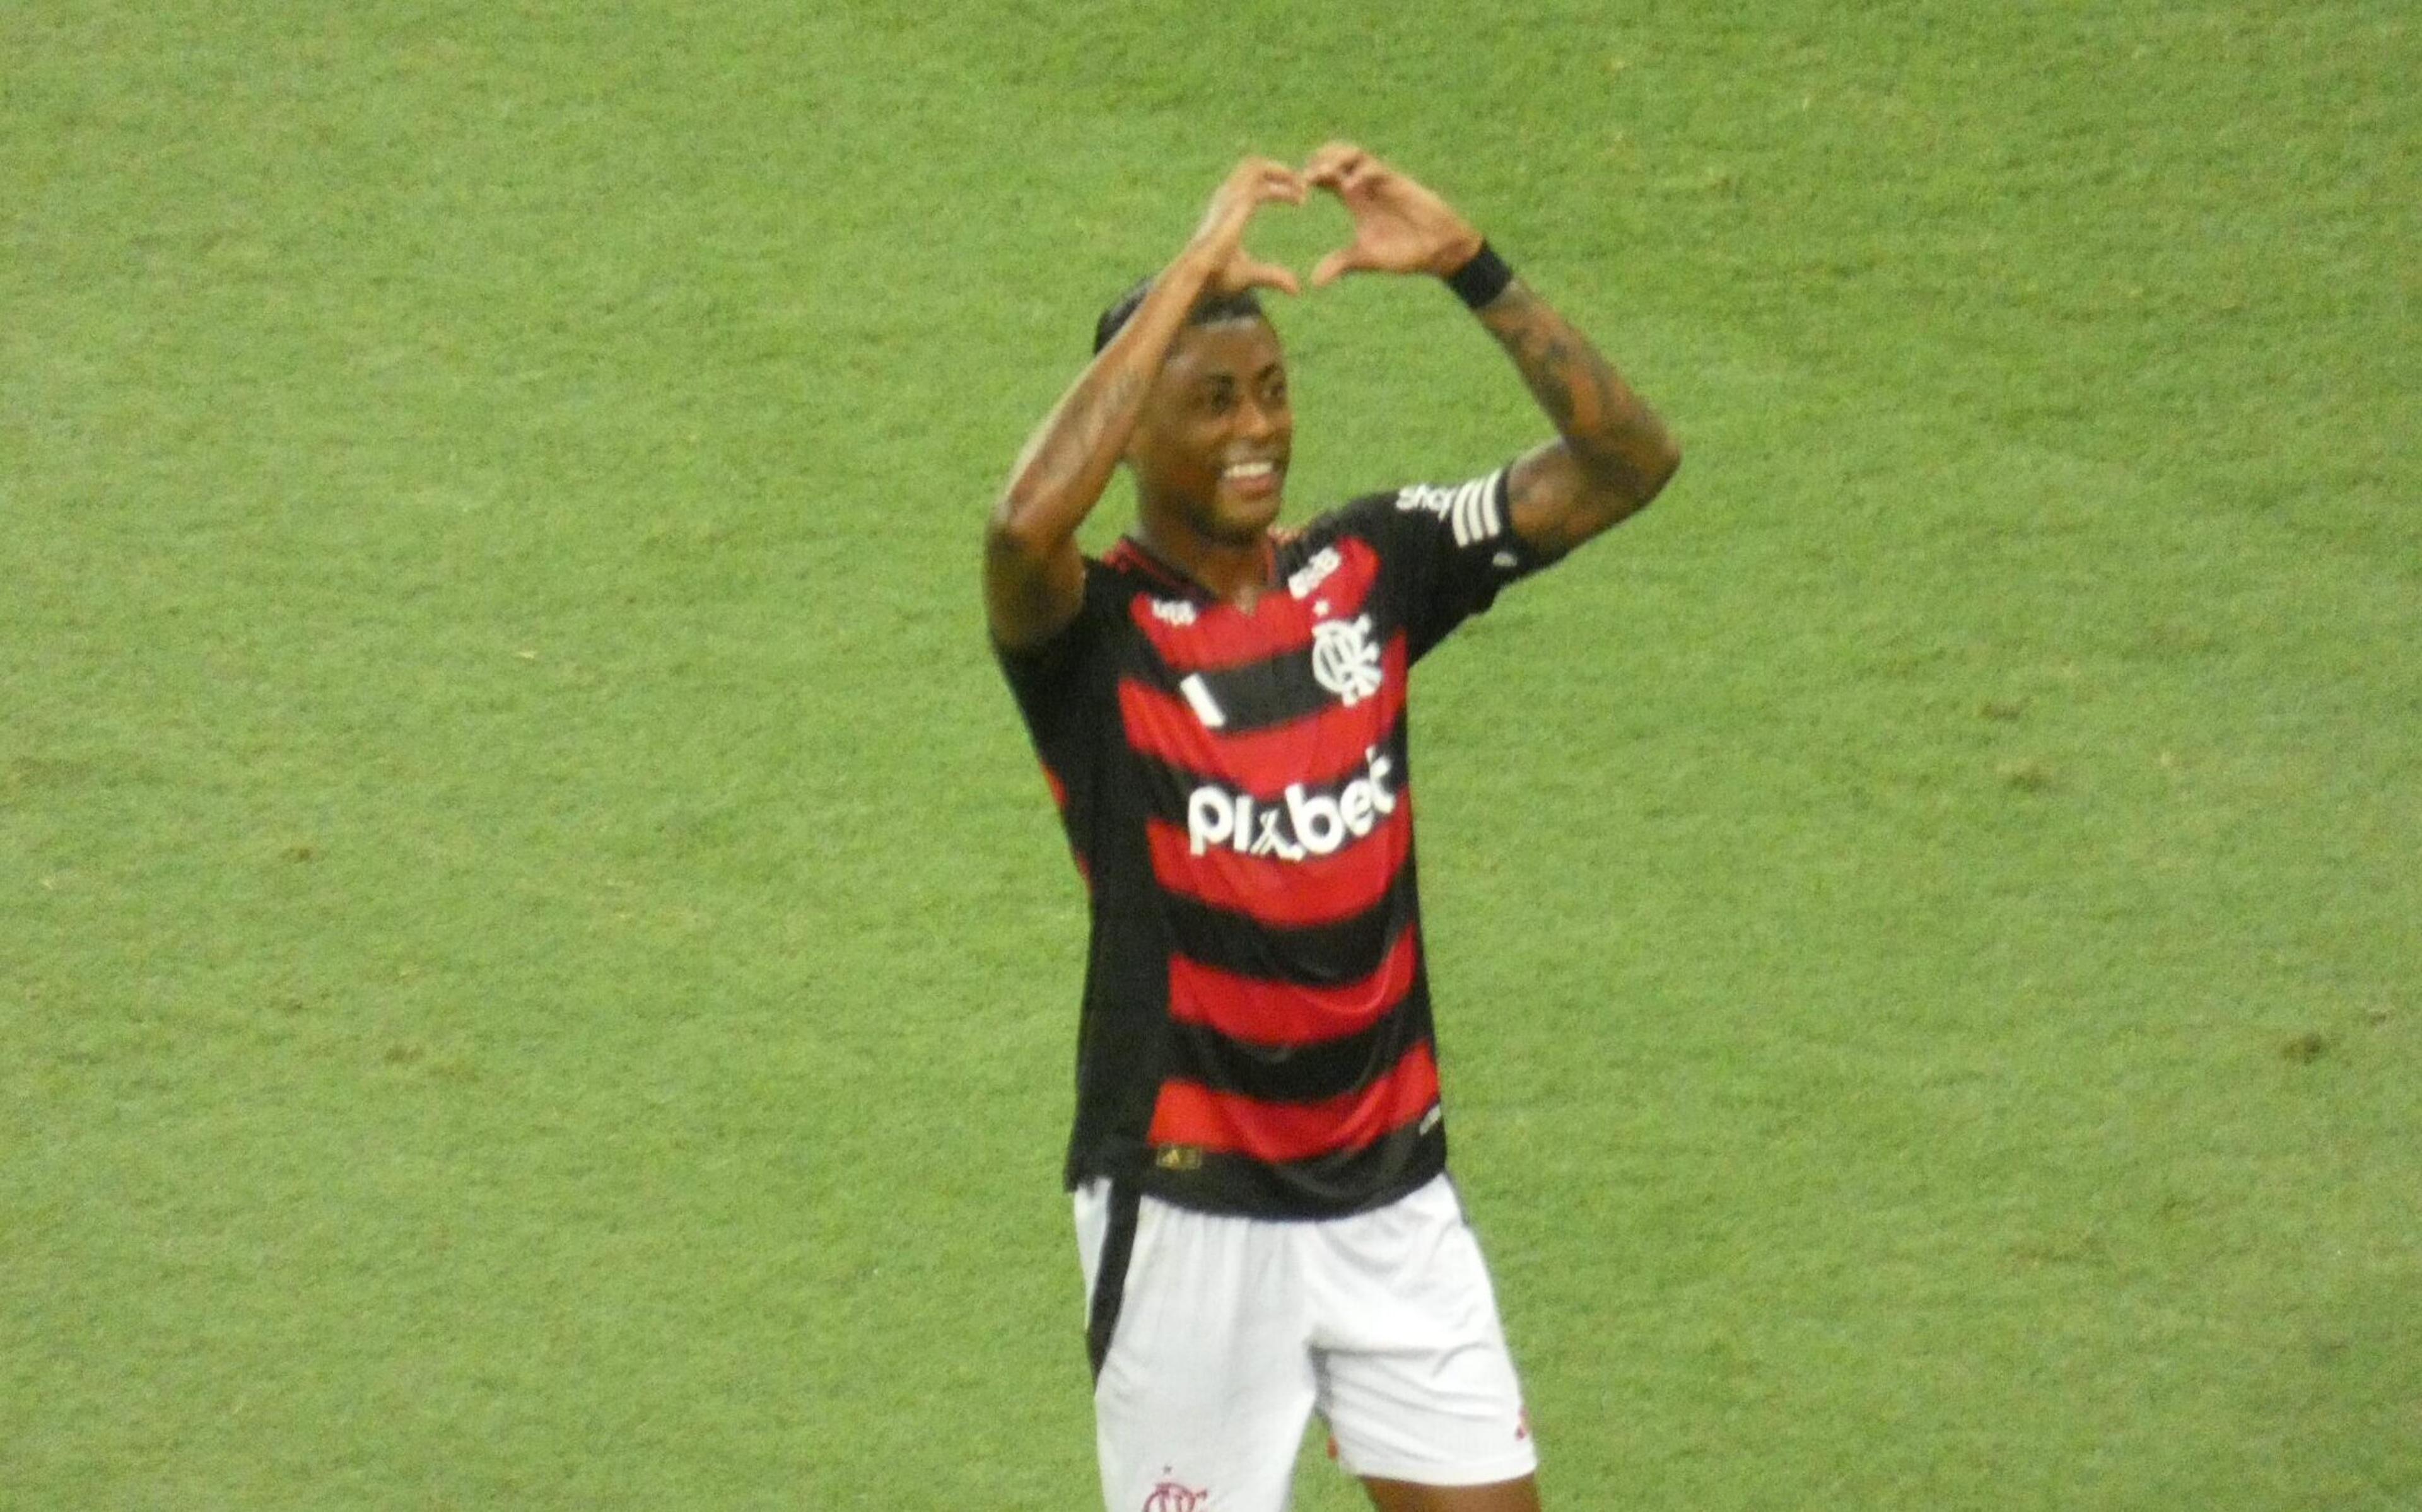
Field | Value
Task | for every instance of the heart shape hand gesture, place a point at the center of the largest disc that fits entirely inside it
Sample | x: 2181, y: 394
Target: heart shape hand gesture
x: 1400, y: 226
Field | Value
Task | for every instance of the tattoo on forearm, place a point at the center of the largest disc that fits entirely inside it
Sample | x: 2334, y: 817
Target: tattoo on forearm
x: 1073, y: 438
x: 1603, y: 423
x: 1102, y: 413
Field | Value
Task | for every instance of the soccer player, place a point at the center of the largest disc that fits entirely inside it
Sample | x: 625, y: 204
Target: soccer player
x: 1265, y: 1222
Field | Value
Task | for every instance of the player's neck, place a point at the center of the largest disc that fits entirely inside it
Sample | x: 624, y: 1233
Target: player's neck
x: 1234, y: 572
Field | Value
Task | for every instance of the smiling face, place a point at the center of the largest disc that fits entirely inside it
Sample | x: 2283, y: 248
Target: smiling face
x: 1211, y: 445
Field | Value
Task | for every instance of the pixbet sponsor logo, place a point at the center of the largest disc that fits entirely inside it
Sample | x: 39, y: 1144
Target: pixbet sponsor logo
x: 1299, y: 824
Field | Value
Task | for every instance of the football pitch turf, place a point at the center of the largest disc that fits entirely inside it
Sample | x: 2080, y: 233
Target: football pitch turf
x: 536, y: 965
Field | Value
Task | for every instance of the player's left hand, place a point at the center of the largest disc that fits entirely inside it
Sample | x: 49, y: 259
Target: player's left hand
x: 1400, y: 227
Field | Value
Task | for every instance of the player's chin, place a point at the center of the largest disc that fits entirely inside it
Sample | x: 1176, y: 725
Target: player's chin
x: 1241, y: 515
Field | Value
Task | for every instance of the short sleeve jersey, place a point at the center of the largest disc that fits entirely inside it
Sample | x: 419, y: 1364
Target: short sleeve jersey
x: 1255, y: 1036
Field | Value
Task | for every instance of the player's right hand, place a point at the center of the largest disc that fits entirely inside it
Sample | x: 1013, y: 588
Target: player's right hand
x: 1219, y: 241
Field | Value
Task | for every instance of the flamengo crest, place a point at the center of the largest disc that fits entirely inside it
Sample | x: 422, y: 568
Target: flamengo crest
x: 1171, y: 1496
x: 1345, y: 660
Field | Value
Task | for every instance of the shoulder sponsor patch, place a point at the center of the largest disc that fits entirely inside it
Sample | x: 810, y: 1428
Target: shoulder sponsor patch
x: 1470, y: 509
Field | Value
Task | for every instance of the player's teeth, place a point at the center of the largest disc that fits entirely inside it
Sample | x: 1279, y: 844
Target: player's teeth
x: 1250, y: 470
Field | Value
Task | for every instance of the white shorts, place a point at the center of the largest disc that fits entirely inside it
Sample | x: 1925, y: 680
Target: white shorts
x: 1221, y: 1335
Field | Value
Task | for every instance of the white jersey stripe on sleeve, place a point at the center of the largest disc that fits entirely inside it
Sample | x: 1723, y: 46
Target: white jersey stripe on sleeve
x: 1470, y: 510
x: 1466, y: 513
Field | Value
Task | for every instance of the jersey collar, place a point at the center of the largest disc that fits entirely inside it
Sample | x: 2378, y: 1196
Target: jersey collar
x: 1131, y: 552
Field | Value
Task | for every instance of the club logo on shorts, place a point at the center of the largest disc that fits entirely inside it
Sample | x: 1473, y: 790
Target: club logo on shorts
x: 1345, y: 660
x: 1171, y: 1496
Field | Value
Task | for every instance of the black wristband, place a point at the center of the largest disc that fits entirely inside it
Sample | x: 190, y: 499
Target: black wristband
x: 1482, y: 279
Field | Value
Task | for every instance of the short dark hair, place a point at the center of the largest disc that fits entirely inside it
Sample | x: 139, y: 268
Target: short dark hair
x: 1240, y: 305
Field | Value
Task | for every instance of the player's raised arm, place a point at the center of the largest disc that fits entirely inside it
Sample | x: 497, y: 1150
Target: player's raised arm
x: 1613, y: 454
x: 1034, y: 577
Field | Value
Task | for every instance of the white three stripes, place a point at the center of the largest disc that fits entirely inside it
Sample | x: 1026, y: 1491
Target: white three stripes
x: 1473, y: 511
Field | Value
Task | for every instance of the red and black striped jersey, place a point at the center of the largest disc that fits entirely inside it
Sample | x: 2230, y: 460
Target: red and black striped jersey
x: 1235, y: 785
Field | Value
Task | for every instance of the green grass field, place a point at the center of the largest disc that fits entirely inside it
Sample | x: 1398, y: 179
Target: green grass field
x: 535, y: 967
